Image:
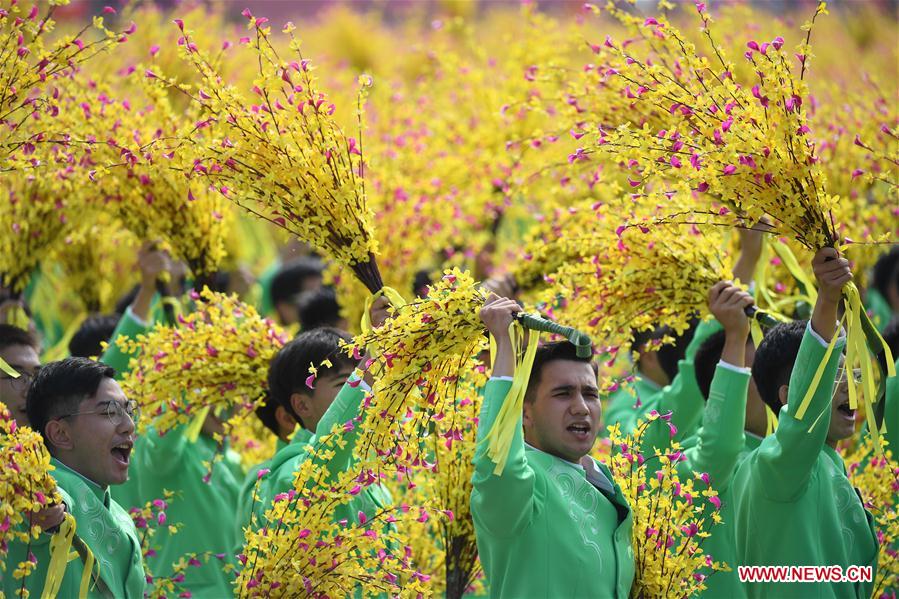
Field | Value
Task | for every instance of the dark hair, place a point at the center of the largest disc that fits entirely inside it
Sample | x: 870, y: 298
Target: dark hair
x: 421, y: 282
x: 289, y: 369
x: 86, y: 342
x: 10, y: 335
x: 891, y: 336
x: 289, y: 280
x: 60, y: 387
x: 318, y: 308
x: 266, y: 414
x: 774, y: 360
x: 886, y: 272
x: 706, y: 360
x: 670, y: 353
x: 552, y: 352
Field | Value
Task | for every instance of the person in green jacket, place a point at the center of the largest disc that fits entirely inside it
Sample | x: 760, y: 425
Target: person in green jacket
x: 319, y: 406
x: 295, y: 402
x: 19, y: 349
x: 795, y: 505
x: 136, y: 320
x: 88, y: 427
x: 733, y: 424
x: 553, y: 523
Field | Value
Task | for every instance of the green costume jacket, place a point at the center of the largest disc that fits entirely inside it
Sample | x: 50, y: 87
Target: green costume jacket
x: 682, y: 397
x: 717, y: 449
x: 205, y: 511
x: 247, y: 496
x: 547, y: 528
x: 104, y: 527
x: 794, y: 503
x: 287, y: 462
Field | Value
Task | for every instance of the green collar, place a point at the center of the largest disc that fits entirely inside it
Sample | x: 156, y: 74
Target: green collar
x: 99, y: 492
x: 835, y: 457
x: 302, y: 436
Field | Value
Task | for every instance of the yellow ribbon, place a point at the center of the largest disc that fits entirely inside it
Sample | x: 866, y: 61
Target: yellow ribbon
x: 858, y: 357
x: 8, y: 369
x: 86, y: 575
x: 772, y: 421
x: 816, y: 380
x: 392, y: 295
x: 60, y: 543
x: 192, y: 433
x: 756, y: 330
x: 499, y: 439
x: 792, y: 265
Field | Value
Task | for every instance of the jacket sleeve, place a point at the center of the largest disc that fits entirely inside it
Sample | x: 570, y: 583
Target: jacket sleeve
x: 345, y: 407
x: 129, y: 327
x: 501, y: 504
x: 721, y: 437
x: 786, y: 464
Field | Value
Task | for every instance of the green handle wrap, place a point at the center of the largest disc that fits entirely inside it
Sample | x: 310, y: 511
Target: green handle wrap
x: 761, y: 316
x: 578, y: 339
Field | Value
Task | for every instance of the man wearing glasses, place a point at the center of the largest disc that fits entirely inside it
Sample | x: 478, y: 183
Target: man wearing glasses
x: 88, y: 427
x: 19, y: 349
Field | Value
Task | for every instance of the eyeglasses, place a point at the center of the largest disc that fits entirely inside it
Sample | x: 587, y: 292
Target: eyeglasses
x: 20, y: 383
x: 115, y: 411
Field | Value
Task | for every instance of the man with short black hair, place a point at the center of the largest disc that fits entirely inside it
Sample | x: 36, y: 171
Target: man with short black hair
x: 293, y: 400
x: 19, y: 349
x: 293, y: 278
x: 88, y: 427
x: 553, y: 523
x: 88, y: 340
x: 795, y: 505
x: 319, y: 308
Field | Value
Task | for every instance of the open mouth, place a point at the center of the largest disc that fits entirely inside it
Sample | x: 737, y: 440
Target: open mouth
x: 846, y: 411
x: 579, y: 429
x: 122, y: 452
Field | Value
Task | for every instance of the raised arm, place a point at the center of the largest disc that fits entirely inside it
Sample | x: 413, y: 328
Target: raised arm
x: 136, y: 319
x: 347, y: 406
x: 787, y: 464
x: 720, y: 438
x: 500, y: 504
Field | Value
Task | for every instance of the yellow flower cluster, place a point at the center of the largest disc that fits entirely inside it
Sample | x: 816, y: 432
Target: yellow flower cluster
x: 93, y: 248
x: 216, y: 358
x: 282, y: 154
x: 41, y: 90
x: 568, y: 235
x: 648, y: 277
x: 446, y: 548
x: 419, y: 354
x: 671, y: 517
x: 876, y: 476
x: 746, y: 147
x: 251, y: 439
x: 26, y: 486
x: 304, y: 552
x: 32, y: 223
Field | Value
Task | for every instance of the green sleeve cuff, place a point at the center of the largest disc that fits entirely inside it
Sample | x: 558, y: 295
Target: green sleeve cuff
x: 721, y: 437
